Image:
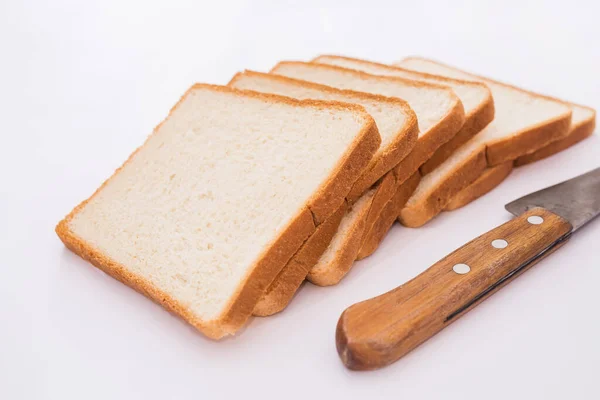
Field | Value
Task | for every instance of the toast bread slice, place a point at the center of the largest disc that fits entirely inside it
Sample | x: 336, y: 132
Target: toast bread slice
x: 396, y: 121
x: 583, y: 123
x: 476, y: 98
x: 158, y: 224
x: 439, y: 111
x: 524, y: 122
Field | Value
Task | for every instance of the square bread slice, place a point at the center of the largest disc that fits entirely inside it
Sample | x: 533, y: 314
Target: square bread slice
x: 397, y: 126
x: 396, y: 121
x: 524, y: 122
x: 476, y: 98
x: 439, y: 111
x: 226, y: 189
x: 583, y: 123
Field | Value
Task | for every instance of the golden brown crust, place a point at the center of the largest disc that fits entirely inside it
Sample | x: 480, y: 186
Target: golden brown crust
x: 344, y: 258
x: 473, y: 125
x: 510, y: 148
x: 427, y: 144
x: 404, y: 140
x: 386, y: 188
x: 397, y: 151
x: 332, y: 194
x: 388, y: 215
x: 348, y: 250
x: 491, y: 177
x: 273, y: 259
x: 415, y: 215
x: 577, y: 134
x: 284, y: 286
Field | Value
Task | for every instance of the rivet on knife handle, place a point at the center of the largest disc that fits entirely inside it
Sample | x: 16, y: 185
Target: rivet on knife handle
x: 379, y: 331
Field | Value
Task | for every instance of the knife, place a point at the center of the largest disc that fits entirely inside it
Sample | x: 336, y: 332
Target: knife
x: 377, y: 332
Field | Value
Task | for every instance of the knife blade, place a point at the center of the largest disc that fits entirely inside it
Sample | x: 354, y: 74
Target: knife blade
x: 379, y: 331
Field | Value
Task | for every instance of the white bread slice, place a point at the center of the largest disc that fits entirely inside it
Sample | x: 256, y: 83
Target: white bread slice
x: 226, y: 189
x: 476, y: 98
x: 439, y: 111
x: 583, y: 123
x: 396, y: 121
x: 397, y: 125
x: 524, y: 122
x: 491, y: 177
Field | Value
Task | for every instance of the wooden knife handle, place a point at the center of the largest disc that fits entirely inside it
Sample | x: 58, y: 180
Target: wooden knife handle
x: 378, y: 331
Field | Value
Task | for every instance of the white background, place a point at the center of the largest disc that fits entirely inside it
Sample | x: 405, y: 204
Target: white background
x: 82, y: 84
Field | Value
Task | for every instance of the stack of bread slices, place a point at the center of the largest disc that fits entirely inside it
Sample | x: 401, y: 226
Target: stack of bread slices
x: 247, y: 190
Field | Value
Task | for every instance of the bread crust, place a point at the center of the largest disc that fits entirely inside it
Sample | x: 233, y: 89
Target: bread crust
x: 334, y: 271
x: 416, y: 215
x: 474, y: 121
x: 388, y: 215
x: 491, y: 177
x: 397, y: 151
x: 301, y: 226
x: 509, y: 149
x: 283, y: 288
x: 430, y: 142
x: 578, y: 132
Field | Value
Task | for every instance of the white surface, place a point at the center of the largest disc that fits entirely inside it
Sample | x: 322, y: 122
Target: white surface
x: 81, y: 87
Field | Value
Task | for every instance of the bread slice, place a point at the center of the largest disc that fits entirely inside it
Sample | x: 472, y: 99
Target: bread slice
x: 203, y: 216
x: 396, y: 121
x: 491, y: 177
x: 476, y: 98
x: 439, y: 111
x: 397, y: 125
x: 375, y: 235
x: 583, y: 124
x: 524, y: 122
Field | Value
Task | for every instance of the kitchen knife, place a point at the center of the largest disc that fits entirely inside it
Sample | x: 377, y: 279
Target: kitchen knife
x: 379, y: 331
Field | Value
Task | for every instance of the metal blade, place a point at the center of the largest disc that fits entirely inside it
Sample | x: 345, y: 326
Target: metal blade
x: 576, y: 200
